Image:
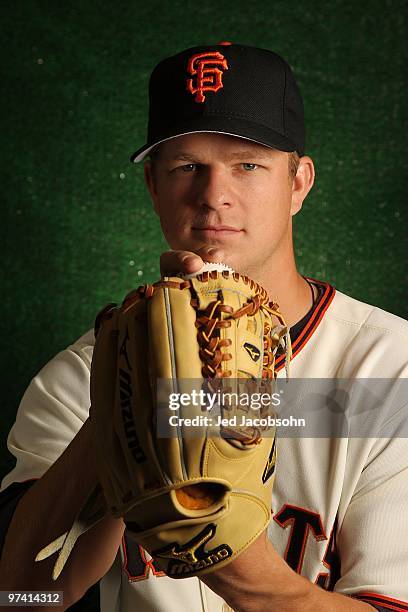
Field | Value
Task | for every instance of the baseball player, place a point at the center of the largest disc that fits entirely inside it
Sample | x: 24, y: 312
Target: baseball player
x: 226, y: 169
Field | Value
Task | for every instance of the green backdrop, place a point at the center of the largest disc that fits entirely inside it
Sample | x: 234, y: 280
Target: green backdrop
x: 77, y: 228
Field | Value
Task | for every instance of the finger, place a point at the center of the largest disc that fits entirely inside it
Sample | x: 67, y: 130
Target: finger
x: 211, y: 253
x: 176, y: 262
x: 187, y: 262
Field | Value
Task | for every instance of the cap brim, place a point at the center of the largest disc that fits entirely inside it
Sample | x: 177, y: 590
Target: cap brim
x: 222, y: 125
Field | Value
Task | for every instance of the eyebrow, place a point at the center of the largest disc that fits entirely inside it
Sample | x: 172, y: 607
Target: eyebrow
x: 182, y: 156
x: 250, y: 153
x: 242, y: 154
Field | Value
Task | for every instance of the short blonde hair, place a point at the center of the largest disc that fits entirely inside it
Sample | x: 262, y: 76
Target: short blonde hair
x: 293, y: 164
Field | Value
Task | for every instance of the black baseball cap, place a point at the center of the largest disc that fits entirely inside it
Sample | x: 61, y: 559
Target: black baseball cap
x: 228, y: 89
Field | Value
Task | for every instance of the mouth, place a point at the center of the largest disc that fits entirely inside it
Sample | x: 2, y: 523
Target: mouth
x: 217, y: 231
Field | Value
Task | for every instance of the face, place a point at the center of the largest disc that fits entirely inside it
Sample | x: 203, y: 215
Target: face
x: 224, y: 191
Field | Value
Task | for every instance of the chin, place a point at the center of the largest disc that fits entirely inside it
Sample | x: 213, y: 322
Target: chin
x: 236, y: 264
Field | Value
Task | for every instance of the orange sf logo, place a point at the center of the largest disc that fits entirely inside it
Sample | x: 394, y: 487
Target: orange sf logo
x: 207, y: 68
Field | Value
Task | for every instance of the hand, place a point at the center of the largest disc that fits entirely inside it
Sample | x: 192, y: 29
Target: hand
x: 187, y: 262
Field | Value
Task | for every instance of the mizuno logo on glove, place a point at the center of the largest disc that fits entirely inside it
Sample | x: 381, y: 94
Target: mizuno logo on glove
x: 189, y: 558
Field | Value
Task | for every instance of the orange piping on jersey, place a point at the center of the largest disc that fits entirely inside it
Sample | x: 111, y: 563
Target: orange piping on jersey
x: 125, y: 561
x: 317, y: 321
x: 148, y: 564
x: 320, y: 309
x: 382, y: 600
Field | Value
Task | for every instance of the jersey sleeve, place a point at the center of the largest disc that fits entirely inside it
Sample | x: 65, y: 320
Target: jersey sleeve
x: 372, y: 540
x: 52, y: 410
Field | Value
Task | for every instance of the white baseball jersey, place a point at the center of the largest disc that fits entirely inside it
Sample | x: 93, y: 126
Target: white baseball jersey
x: 340, y: 505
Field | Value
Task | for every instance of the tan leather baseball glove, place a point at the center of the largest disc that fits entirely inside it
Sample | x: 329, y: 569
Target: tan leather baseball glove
x: 193, y: 499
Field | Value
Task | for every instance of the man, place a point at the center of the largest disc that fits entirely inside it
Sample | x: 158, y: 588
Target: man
x: 226, y: 175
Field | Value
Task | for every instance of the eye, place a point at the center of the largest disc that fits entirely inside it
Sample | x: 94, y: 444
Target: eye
x: 188, y: 167
x: 249, y: 167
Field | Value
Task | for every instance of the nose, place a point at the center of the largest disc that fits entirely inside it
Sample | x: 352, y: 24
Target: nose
x: 214, y: 189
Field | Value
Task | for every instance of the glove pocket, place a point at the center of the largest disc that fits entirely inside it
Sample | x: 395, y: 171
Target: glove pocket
x: 192, y: 500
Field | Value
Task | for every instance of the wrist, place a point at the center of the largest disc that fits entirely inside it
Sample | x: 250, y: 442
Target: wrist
x: 259, y: 579
x: 271, y: 586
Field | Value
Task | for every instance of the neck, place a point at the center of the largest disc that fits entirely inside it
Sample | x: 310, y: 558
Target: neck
x: 293, y: 296
x: 287, y: 288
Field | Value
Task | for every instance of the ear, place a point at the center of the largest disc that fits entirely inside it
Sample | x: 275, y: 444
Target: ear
x: 150, y: 180
x: 302, y: 183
